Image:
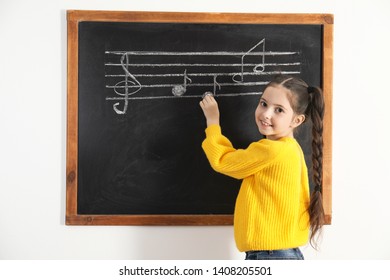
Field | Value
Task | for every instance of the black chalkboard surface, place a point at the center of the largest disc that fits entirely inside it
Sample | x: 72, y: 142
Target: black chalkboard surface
x: 139, y: 126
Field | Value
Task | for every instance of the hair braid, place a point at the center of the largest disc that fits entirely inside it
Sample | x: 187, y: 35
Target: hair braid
x: 316, y: 210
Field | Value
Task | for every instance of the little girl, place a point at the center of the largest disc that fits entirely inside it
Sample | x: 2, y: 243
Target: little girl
x: 274, y: 211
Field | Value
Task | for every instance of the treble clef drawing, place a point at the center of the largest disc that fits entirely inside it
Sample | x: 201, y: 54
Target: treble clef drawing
x: 129, y: 79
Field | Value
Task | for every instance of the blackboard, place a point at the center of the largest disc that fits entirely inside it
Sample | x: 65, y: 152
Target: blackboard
x: 134, y: 124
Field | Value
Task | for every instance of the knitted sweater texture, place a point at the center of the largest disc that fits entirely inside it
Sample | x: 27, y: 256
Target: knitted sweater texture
x: 271, y: 207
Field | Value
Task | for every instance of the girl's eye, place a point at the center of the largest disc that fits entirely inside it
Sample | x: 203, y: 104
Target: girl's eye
x: 279, y: 110
x: 263, y: 104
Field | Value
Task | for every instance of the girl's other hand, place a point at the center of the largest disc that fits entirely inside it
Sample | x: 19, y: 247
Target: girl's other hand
x: 210, y: 109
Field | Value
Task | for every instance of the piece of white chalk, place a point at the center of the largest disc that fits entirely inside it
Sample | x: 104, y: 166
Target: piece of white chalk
x: 207, y: 93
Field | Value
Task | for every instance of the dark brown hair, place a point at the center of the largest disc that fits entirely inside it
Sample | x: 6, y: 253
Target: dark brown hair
x: 309, y: 101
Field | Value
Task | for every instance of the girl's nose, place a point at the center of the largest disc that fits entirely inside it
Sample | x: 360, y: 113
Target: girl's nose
x: 267, y: 114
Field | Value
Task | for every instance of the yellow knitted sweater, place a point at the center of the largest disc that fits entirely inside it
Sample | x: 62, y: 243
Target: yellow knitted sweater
x: 271, y: 207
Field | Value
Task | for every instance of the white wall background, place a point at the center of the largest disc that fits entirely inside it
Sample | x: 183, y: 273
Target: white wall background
x: 33, y: 137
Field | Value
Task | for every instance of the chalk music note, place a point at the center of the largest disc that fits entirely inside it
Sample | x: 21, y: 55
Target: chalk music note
x: 258, y: 67
x: 129, y: 79
x: 215, y: 85
x: 179, y: 90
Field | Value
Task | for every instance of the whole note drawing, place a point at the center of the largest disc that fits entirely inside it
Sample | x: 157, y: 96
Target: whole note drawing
x: 131, y: 75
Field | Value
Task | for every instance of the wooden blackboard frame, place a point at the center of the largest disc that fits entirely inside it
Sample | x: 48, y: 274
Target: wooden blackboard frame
x: 74, y: 17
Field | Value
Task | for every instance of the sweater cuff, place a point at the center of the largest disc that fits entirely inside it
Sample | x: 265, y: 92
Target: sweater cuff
x: 213, y: 129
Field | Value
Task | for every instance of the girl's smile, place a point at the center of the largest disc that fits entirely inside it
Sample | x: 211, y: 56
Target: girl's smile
x: 265, y: 124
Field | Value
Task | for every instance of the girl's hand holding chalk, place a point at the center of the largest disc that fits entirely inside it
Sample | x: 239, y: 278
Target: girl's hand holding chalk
x: 210, y: 108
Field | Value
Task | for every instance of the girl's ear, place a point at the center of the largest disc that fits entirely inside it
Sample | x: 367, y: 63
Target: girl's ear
x: 298, y: 120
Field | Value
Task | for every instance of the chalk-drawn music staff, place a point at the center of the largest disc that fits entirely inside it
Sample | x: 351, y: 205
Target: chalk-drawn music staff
x: 252, y: 63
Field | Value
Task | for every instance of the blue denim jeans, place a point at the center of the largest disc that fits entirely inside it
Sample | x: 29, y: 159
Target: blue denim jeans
x: 288, y: 254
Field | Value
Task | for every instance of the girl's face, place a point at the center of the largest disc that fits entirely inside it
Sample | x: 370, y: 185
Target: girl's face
x: 274, y: 115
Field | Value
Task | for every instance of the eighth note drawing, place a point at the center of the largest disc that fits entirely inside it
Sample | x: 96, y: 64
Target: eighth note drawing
x: 238, y: 73
x: 179, y: 90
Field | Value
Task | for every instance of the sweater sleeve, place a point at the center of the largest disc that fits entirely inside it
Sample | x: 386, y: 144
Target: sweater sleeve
x: 236, y: 163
